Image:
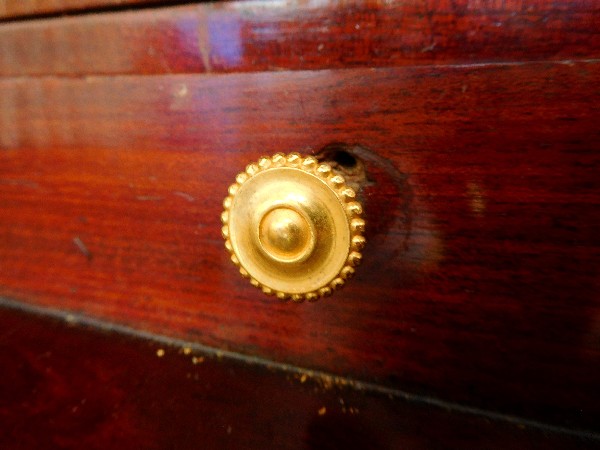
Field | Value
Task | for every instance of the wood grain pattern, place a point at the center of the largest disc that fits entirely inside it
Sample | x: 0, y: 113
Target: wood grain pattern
x: 66, y: 386
x: 271, y: 36
x: 480, y: 280
x: 11, y: 9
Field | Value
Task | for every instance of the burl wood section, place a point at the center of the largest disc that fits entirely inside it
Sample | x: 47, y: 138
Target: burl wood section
x: 480, y: 279
x: 69, y: 387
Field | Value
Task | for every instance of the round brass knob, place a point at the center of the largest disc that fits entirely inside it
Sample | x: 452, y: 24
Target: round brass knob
x: 293, y: 227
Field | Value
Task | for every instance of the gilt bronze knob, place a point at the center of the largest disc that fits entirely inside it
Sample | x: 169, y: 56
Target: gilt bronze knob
x: 293, y: 227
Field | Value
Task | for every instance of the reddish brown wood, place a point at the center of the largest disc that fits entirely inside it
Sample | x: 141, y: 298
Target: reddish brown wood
x: 480, y: 280
x: 251, y: 36
x: 151, y: 41
x: 21, y: 8
x: 70, y: 387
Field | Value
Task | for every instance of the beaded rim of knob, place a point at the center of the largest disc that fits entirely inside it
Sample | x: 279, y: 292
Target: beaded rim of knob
x: 345, y: 194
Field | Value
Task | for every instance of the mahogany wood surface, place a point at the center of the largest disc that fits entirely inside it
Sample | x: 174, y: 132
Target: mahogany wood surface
x: 480, y: 278
x: 66, y: 386
x: 271, y: 36
x: 21, y: 8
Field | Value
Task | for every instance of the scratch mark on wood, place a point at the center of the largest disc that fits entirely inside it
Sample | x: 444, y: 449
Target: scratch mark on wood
x: 82, y: 247
x: 149, y: 198
x: 204, y: 40
x: 185, y: 195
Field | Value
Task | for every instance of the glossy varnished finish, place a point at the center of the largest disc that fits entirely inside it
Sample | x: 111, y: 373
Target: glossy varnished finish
x: 272, y: 36
x: 13, y: 9
x: 67, y: 386
x: 480, y: 283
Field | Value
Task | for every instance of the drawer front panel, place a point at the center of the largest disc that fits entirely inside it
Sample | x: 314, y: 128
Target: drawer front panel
x: 480, y: 278
x: 274, y: 36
